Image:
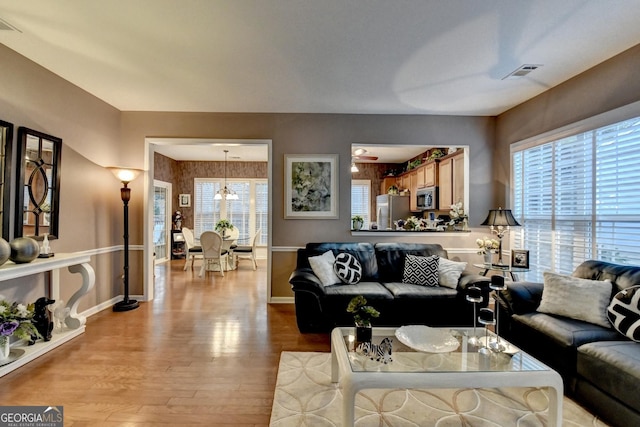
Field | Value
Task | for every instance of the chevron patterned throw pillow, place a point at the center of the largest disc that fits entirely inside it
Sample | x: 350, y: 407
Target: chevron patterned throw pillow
x: 348, y: 268
x: 421, y: 270
x: 624, y: 312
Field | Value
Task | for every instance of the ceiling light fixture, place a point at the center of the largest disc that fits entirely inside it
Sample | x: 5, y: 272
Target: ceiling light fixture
x: 225, y: 193
x: 354, y: 168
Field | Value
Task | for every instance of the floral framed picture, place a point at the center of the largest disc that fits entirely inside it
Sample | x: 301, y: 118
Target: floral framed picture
x: 184, y: 200
x: 519, y: 258
x: 311, y: 186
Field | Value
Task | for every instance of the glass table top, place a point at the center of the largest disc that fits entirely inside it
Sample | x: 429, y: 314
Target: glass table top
x: 465, y: 358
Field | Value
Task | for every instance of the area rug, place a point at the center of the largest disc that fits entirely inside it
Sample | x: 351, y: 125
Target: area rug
x: 304, y: 396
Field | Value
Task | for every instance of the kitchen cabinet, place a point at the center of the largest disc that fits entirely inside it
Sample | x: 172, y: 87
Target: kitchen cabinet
x: 413, y: 187
x: 451, y: 180
x: 387, y: 182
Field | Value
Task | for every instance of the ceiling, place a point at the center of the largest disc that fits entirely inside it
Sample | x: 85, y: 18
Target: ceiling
x: 329, y: 56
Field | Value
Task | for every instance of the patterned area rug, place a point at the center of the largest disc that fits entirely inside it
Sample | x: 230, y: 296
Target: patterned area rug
x: 305, y: 396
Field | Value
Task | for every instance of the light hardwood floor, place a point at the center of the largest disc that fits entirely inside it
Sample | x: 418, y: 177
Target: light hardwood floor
x: 204, y: 352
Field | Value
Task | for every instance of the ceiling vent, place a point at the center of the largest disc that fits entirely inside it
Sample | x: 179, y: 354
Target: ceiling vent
x: 521, y: 71
x: 5, y: 26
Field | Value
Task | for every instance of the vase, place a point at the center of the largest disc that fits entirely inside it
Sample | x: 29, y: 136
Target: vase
x: 363, y: 333
x: 24, y: 250
x: 487, y: 258
x: 5, y: 348
x: 465, y: 225
x: 357, y: 225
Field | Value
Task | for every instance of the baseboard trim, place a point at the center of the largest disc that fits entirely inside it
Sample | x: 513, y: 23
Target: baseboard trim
x: 281, y: 300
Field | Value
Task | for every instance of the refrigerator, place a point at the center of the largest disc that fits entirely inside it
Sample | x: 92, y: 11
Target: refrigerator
x: 390, y: 208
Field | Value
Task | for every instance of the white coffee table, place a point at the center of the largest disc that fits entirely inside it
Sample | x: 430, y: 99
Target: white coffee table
x: 462, y: 368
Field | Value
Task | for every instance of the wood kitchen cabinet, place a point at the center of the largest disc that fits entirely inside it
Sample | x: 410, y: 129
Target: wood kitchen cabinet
x: 428, y: 175
x: 451, y: 180
x: 413, y: 186
x: 387, y: 182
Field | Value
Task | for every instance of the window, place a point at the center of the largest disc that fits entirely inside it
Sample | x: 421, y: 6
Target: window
x: 361, y: 199
x: 248, y: 213
x: 578, y: 198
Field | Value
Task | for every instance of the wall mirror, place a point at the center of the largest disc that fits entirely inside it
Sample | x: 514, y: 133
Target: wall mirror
x: 38, y: 184
x: 442, y: 171
x: 6, y: 140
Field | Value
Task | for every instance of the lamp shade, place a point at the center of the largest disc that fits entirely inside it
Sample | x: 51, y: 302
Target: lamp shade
x: 125, y: 175
x: 500, y: 217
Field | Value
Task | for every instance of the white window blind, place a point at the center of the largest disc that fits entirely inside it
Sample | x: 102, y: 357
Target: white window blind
x: 361, y: 199
x: 578, y: 198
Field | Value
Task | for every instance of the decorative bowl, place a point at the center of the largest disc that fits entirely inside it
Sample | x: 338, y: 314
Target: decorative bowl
x: 426, y: 339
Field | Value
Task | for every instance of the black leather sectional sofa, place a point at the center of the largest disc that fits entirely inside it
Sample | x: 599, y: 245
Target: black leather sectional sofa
x: 599, y: 365
x: 320, y: 308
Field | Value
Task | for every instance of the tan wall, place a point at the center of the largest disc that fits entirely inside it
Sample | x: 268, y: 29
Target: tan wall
x: 605, y: 87
x: 90, y: 205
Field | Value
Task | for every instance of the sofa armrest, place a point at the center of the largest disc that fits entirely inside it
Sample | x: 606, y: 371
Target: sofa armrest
x: 521, y: 297
x: 303, y: 280
x: 468, y: 279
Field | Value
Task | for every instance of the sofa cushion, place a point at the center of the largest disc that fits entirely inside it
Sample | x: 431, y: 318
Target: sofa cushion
x: 420, y: 270
x: 347, y: 268
x: 624, y: 312
x: 577, y: 298
x: 371, y: 290
x: 390, y: 257
x: 613, y: 367
x: 449, y: 272
x: 622, y: 276
x: 408, y: 290
x: 322, y: 266
x: 564, y: 331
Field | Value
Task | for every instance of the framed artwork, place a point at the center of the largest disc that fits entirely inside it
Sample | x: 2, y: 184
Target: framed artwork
x: 184, y: 200
x: 520, y: 258
x: 311, y: 186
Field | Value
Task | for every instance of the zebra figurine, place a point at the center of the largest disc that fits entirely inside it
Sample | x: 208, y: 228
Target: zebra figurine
x: 379, y: 353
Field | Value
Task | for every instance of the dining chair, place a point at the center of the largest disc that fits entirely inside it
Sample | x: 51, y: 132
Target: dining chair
x: 248, y: 251
x: 212, y: 251
x: 192, y: 251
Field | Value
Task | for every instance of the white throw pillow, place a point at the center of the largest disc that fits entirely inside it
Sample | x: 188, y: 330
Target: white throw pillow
x: 449, y: 272
x: 322, y: 266
x: 580, y: 299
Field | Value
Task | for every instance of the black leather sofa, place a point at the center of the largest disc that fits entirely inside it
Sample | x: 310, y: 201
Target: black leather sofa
x: 321, y: 308
x: 600, y: 366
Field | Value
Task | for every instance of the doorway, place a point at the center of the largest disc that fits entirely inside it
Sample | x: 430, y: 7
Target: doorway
x: 199, y: 149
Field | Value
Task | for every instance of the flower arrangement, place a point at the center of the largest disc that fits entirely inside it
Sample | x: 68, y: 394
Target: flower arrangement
x: 487, y: 245
x: 223, y: 225
x: 413, y: 223
x: 457, y: 214
x: 363, y: 313
x: 16, y: 320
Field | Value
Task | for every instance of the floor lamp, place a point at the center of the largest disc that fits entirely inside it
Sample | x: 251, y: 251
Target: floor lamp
x: 125, y: 176
x: 500, y: 220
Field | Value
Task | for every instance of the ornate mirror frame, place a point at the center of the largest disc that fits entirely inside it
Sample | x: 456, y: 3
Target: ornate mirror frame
x: 37, y: 184
x: 6, y: 148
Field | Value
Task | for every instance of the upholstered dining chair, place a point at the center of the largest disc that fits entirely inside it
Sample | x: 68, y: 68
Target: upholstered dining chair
x: 248, y: 251
x: 212, y: 252
x: 192, y: 251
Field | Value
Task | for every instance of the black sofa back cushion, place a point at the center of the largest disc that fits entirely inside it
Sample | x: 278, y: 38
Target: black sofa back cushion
x: 364, y: 252
x: 622, y: 276
x: 391, y: 257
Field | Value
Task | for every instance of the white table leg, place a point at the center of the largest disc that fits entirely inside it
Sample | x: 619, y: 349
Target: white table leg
x: 348, y: 403
x: 74, y: 321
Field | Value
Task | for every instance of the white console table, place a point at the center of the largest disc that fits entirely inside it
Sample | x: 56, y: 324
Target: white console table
x: 75, y: 324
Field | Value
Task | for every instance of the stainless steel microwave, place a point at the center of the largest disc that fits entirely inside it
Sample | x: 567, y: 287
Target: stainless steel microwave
x: 427, y: 198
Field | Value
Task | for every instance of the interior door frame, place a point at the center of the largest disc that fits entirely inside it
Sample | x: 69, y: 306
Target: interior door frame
x: 150, y: 145
x: 168, y: 220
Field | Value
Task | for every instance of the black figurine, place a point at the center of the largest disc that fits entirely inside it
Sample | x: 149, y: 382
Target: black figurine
x: 42, y: 319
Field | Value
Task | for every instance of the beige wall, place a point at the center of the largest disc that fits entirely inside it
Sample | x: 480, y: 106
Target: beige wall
x: 605, y: 87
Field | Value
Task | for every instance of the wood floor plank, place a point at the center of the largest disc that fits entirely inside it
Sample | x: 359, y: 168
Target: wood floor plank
x: 204, y: 352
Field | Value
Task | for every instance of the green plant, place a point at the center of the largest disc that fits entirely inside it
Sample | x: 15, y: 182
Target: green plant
x: 362, y: 313
x: 357, y: 218
x: 224, y: 224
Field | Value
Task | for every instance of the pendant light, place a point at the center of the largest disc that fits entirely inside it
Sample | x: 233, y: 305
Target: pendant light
x: 225, y: 193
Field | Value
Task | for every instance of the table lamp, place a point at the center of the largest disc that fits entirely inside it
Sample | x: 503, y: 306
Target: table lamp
x: 500, y: 220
